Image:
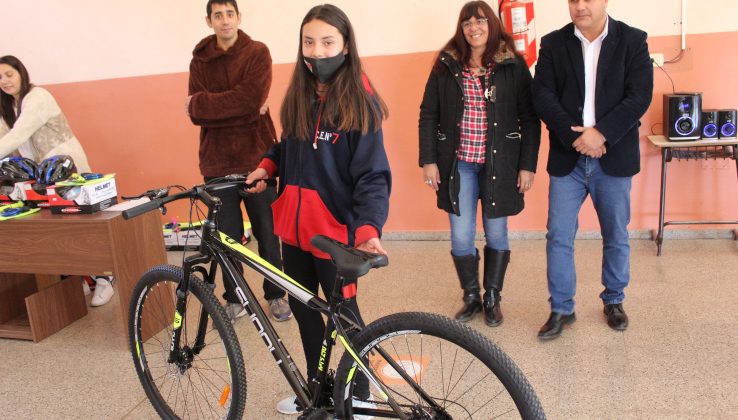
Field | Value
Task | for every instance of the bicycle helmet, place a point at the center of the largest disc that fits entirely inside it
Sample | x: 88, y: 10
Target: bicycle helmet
x: 17, y: 169
x: 54, y: 169
x: 68, y: 192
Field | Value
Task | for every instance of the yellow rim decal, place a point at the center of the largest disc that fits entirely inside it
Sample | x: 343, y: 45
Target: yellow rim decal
x: 237, y: 246
x: 177, y: 321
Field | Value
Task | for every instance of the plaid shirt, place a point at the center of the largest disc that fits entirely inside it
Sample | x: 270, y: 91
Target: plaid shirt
x: 473, y: 137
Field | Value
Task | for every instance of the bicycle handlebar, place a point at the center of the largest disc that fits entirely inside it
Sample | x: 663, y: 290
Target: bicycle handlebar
x: 160, y: 197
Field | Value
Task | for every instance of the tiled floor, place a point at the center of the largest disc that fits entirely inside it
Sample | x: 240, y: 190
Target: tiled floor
x: 677, y: 359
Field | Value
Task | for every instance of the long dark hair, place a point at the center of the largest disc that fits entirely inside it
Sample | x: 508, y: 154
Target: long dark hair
x: 348, y: 104
x: 496, y: 34
x: 7, y: 102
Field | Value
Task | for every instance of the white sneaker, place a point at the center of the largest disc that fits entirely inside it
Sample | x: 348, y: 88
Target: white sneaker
x: 103, y: 290
x: 86, y: 287
x: 289, y: 405
x: 234, y: 311
x: 363, y: 404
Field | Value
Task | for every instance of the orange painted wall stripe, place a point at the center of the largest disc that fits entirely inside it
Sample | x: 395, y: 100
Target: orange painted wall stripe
x: 137, y: 128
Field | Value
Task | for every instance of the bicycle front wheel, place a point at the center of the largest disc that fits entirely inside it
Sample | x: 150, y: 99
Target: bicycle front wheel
x: 448, y: 371
x: 206, y: 379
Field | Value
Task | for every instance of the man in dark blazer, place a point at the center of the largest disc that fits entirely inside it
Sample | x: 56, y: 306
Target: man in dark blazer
x: 593, y: 82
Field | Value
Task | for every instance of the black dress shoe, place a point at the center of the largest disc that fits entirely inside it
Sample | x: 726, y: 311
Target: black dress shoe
x: 555, y: 324
x: 616, y: 317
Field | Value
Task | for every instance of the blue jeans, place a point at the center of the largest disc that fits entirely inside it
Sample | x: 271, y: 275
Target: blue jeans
x: 464, y: 227
x: 611, y: 199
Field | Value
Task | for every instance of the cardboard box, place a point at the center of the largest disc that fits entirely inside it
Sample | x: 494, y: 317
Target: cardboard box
x: 189, y: 236
x: 177, y: 236
x: 6, y: 188
x: 23, y: 191
x: 170, y: 238
x: 86, y: 198
x: 83, y: 208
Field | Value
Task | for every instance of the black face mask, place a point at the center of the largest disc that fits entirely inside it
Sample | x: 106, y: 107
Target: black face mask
x: 324, y: 68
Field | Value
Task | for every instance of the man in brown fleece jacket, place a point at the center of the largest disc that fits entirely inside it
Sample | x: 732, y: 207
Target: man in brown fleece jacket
x: 230, y: 76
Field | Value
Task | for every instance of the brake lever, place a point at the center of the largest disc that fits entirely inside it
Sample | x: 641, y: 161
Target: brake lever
x: 157, y: 193
x: 152, y: 194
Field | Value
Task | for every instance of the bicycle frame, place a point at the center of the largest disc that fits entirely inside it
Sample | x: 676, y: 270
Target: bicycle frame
x: 218, y: 248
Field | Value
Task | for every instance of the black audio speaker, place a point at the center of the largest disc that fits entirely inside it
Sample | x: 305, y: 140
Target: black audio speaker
x: 682, y: 115
x: 726, y: 123
x: 710, y: 124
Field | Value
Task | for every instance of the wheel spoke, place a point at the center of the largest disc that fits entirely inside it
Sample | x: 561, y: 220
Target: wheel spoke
x: 450, y: 371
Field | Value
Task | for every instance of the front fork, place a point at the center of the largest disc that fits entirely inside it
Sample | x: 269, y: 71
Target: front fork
x: 181, y: 306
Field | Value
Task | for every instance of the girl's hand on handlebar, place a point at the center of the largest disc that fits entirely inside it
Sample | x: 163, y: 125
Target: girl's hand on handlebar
x: 372, y: 245
x: 254, y: 177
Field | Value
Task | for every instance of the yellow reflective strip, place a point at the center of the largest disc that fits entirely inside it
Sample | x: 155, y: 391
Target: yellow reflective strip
x: 177, y: 321
x: 237, y: 246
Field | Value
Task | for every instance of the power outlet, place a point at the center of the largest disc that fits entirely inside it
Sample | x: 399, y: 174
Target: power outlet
x: 658, y: 59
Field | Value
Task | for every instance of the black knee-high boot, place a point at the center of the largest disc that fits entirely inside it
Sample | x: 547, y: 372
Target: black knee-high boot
x: 495, y: 265
x: 467, y: 267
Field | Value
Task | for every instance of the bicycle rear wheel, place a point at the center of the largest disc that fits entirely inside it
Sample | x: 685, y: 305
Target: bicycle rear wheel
x: 205, y: 381
x: 463, y: 372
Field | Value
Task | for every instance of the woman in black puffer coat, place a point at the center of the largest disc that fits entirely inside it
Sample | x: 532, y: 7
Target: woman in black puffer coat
x: 479, y: 140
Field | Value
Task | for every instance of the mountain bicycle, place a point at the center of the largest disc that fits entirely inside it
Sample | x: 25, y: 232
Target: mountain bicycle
x: 418, y: 365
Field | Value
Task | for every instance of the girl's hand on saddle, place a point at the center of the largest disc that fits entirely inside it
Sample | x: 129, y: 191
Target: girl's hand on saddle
x: 372, y: 245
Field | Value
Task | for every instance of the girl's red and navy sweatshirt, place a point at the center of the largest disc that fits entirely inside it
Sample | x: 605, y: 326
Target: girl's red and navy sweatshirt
x: 336, y: 184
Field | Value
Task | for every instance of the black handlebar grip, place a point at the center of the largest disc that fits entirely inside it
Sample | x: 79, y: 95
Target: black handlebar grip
x: 141, y: 209
x: 271, y: 182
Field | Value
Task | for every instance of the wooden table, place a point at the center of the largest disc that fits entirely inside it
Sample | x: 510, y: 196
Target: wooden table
x: 46, y: 244
x: 696, y: 149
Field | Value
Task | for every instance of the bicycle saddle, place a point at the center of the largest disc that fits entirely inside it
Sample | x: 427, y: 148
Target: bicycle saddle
x: 350, y: 262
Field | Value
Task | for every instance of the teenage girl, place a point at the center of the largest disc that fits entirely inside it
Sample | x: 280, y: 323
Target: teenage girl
x: 332, y: 166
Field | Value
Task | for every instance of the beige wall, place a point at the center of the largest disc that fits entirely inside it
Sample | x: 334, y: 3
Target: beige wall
x: 79, y: 40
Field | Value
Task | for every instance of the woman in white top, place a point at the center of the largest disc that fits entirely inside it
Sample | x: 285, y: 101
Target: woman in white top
x: 31, y: 121
x: 33, y: 125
